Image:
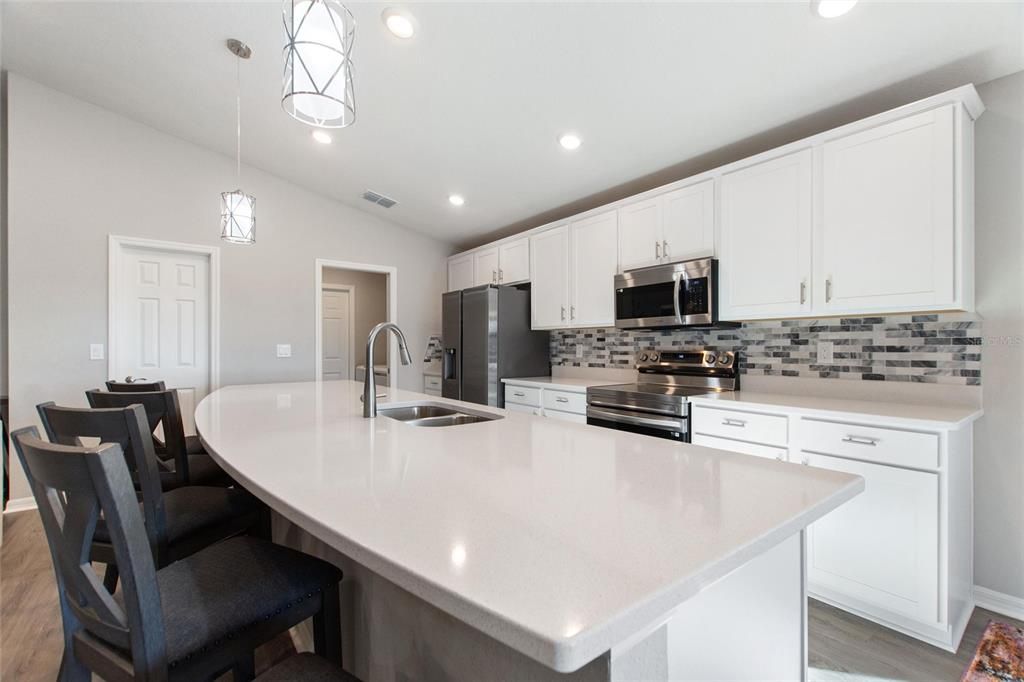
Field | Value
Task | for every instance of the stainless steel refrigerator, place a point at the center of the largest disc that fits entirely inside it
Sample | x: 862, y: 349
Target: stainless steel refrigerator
x: 487, y: 337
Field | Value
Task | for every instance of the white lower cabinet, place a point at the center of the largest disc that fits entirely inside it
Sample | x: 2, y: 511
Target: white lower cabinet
x: 901, y: 552
x: 882, y: 547
x: 568, y: 403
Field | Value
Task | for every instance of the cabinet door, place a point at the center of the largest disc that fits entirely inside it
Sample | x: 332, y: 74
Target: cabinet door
x: 887, y: 236
x: 514, y: 261
x: 549, y: 263
x: 881, y: 547
x: 594, y: 260
x: 485, y: 266
x: 755, y: 449
x: 460, y: 272
x: 689, y: 222
x: 765, y: 259
x: 640, y: 233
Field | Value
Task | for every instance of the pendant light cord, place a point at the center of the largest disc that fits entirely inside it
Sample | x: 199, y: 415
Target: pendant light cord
x: 238, y: 118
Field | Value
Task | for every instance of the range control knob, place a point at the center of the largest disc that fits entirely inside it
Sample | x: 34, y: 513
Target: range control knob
x: 725, y: 360
x: 710, y: 358
x: 654, y: 357
x: 643, y: 357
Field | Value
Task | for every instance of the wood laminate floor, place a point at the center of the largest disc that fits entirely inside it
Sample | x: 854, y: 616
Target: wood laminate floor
x: 843, y: 647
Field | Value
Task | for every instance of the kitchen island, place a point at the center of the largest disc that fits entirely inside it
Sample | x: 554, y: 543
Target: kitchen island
x: 527, y: 548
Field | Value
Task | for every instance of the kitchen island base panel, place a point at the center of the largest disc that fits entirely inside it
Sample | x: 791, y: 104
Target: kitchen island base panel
x: 749, y: 625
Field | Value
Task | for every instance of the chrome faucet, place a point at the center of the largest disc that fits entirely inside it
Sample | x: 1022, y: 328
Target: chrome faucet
x: 370, y: 380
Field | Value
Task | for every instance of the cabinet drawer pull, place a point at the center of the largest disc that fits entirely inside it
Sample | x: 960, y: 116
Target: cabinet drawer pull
x: 803, y: 291
x: 494, y: 276
x: 657, y: 251
x: 572, y: 312
x: 733, y: 422
x: 861, y: 440
x: 501, y: 276
x: 518, y: 394
x: 828, y: 290
x: 561, y: 400
x: 664, y: 248
x: 563, y: 312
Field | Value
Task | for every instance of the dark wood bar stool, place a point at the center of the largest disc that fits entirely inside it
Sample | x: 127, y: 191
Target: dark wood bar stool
x: 163, y: 409
x: 191, y: 620
x: 193, y: 445
x: 179, y: 522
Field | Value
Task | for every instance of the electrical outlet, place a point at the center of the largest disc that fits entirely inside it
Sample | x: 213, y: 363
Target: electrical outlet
x: 284, y: 350
x: 579, y: 351
x: 825, y: 353
x: 95, y: 351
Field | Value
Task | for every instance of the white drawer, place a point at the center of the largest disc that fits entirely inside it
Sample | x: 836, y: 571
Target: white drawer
x: 768, y: 429
x: 566, y: 416
x: 522, y: 395
x: 515, y: 407
x: 564, y: 401
x: 870, y: 443
x: 741, y: 446
x: 431, y: 382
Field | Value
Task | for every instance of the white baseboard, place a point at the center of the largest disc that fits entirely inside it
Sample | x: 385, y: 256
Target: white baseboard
x: 20, y: 504
x: 1001, y: 603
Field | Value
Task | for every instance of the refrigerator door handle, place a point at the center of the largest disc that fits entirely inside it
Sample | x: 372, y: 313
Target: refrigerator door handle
x: 448, y: 364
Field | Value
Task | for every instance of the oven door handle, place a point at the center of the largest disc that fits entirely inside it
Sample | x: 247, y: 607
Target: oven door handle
x: 624, y: 418
x: 675, y: 296
x: 601, y: 403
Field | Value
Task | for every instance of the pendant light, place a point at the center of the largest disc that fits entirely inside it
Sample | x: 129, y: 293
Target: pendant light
x: 318, y: 63
x: 237, y: 209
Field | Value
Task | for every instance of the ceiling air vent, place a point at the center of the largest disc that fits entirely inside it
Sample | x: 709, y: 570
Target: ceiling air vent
x: 374, y: 197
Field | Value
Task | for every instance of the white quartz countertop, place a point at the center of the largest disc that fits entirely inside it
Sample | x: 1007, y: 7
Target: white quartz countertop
x: 560, y: 540
x: 572, y: 385
x: 877, y: 411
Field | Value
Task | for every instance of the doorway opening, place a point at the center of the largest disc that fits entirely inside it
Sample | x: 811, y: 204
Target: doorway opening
x: 352, y: 298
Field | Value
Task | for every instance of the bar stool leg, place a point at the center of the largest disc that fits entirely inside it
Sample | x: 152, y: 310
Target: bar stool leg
x: 327, y: 626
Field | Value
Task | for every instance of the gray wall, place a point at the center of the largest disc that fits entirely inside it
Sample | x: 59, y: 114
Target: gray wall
x: 371, y: 302
x: 79, y: 173
x: 999, y: 436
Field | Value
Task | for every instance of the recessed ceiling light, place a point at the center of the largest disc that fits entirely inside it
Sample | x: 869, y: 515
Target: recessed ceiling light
x: 399, y: 23
x: 570, y: 141
x: 456, y: 199
x: 830, y: 9
x: 322, y: 136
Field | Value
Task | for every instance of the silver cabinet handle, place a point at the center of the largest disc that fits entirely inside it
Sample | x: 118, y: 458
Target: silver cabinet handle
x: 518, y: 394
x: 572, y: 312
x: 803, y: 291
x: 861, y: 440
x: 563, y: 312
x: 657, y: 250
x: 561, y: 400
x: 828, y: 289
x: 664, y: 248
x: 733, y: 422
x: 501, y: 275
x: 494, y: 276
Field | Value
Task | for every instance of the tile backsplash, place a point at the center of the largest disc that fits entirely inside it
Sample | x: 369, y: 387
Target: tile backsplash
x: 943, y: 349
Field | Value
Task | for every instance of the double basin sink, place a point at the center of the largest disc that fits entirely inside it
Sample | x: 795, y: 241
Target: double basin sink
x: 434, y: 414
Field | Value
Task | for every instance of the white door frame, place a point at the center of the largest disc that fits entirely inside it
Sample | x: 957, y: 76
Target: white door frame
x: 351, y: 291
x: 392, y: 286
x: 116, y: 246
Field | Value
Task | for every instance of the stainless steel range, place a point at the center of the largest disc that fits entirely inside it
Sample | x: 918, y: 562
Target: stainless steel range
x: 658, y: 404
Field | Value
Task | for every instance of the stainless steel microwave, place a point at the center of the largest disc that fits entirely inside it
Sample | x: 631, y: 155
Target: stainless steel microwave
x: 680, y: 294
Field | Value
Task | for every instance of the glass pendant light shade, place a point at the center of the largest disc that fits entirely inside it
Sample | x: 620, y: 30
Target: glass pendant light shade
x: 237, y: 217
x: 318, y: 66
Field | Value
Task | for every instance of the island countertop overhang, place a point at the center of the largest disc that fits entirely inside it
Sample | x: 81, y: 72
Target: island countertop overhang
x: 559, y: 540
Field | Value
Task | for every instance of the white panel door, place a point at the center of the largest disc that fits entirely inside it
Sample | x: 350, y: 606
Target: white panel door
x: 514, y: 261
x: 765, y: 259
x: 887, y: 234
x: 337, y: 335
x: 163, y: 323
x: 882, y: 547
x: 485, y: 267
x: 640, y: 233
x: 549, y: 263
x: 594, y: 259
x: 460, y: 272
x: 689, y: 222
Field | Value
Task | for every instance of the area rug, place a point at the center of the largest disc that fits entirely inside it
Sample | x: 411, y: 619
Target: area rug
x: 1000, y: 655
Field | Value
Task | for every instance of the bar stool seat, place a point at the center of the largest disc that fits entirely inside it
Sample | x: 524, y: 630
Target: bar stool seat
x: 306, y: 668
x: 206, y: 601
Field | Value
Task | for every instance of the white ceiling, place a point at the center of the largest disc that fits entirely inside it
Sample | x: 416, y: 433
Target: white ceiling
x: 475, y: 101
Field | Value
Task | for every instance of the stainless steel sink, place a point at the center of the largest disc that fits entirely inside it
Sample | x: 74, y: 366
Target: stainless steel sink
x: 434, y: 414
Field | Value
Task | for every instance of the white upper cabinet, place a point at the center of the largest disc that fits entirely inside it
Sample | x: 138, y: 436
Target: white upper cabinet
x: 689, y: 222
x: 765, y: 247
x: 673, y: 226
x: 514, y: 261
x: 887, y: 236
x: 460, y: 272
x: 485, y: 266
x: 549, y: 263
x: 640, y: 233
x: 593, y: 267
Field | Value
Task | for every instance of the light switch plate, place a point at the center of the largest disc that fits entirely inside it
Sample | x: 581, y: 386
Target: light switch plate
x: 825, y: 353
x: 95, y: 351
x: 284, y: 350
